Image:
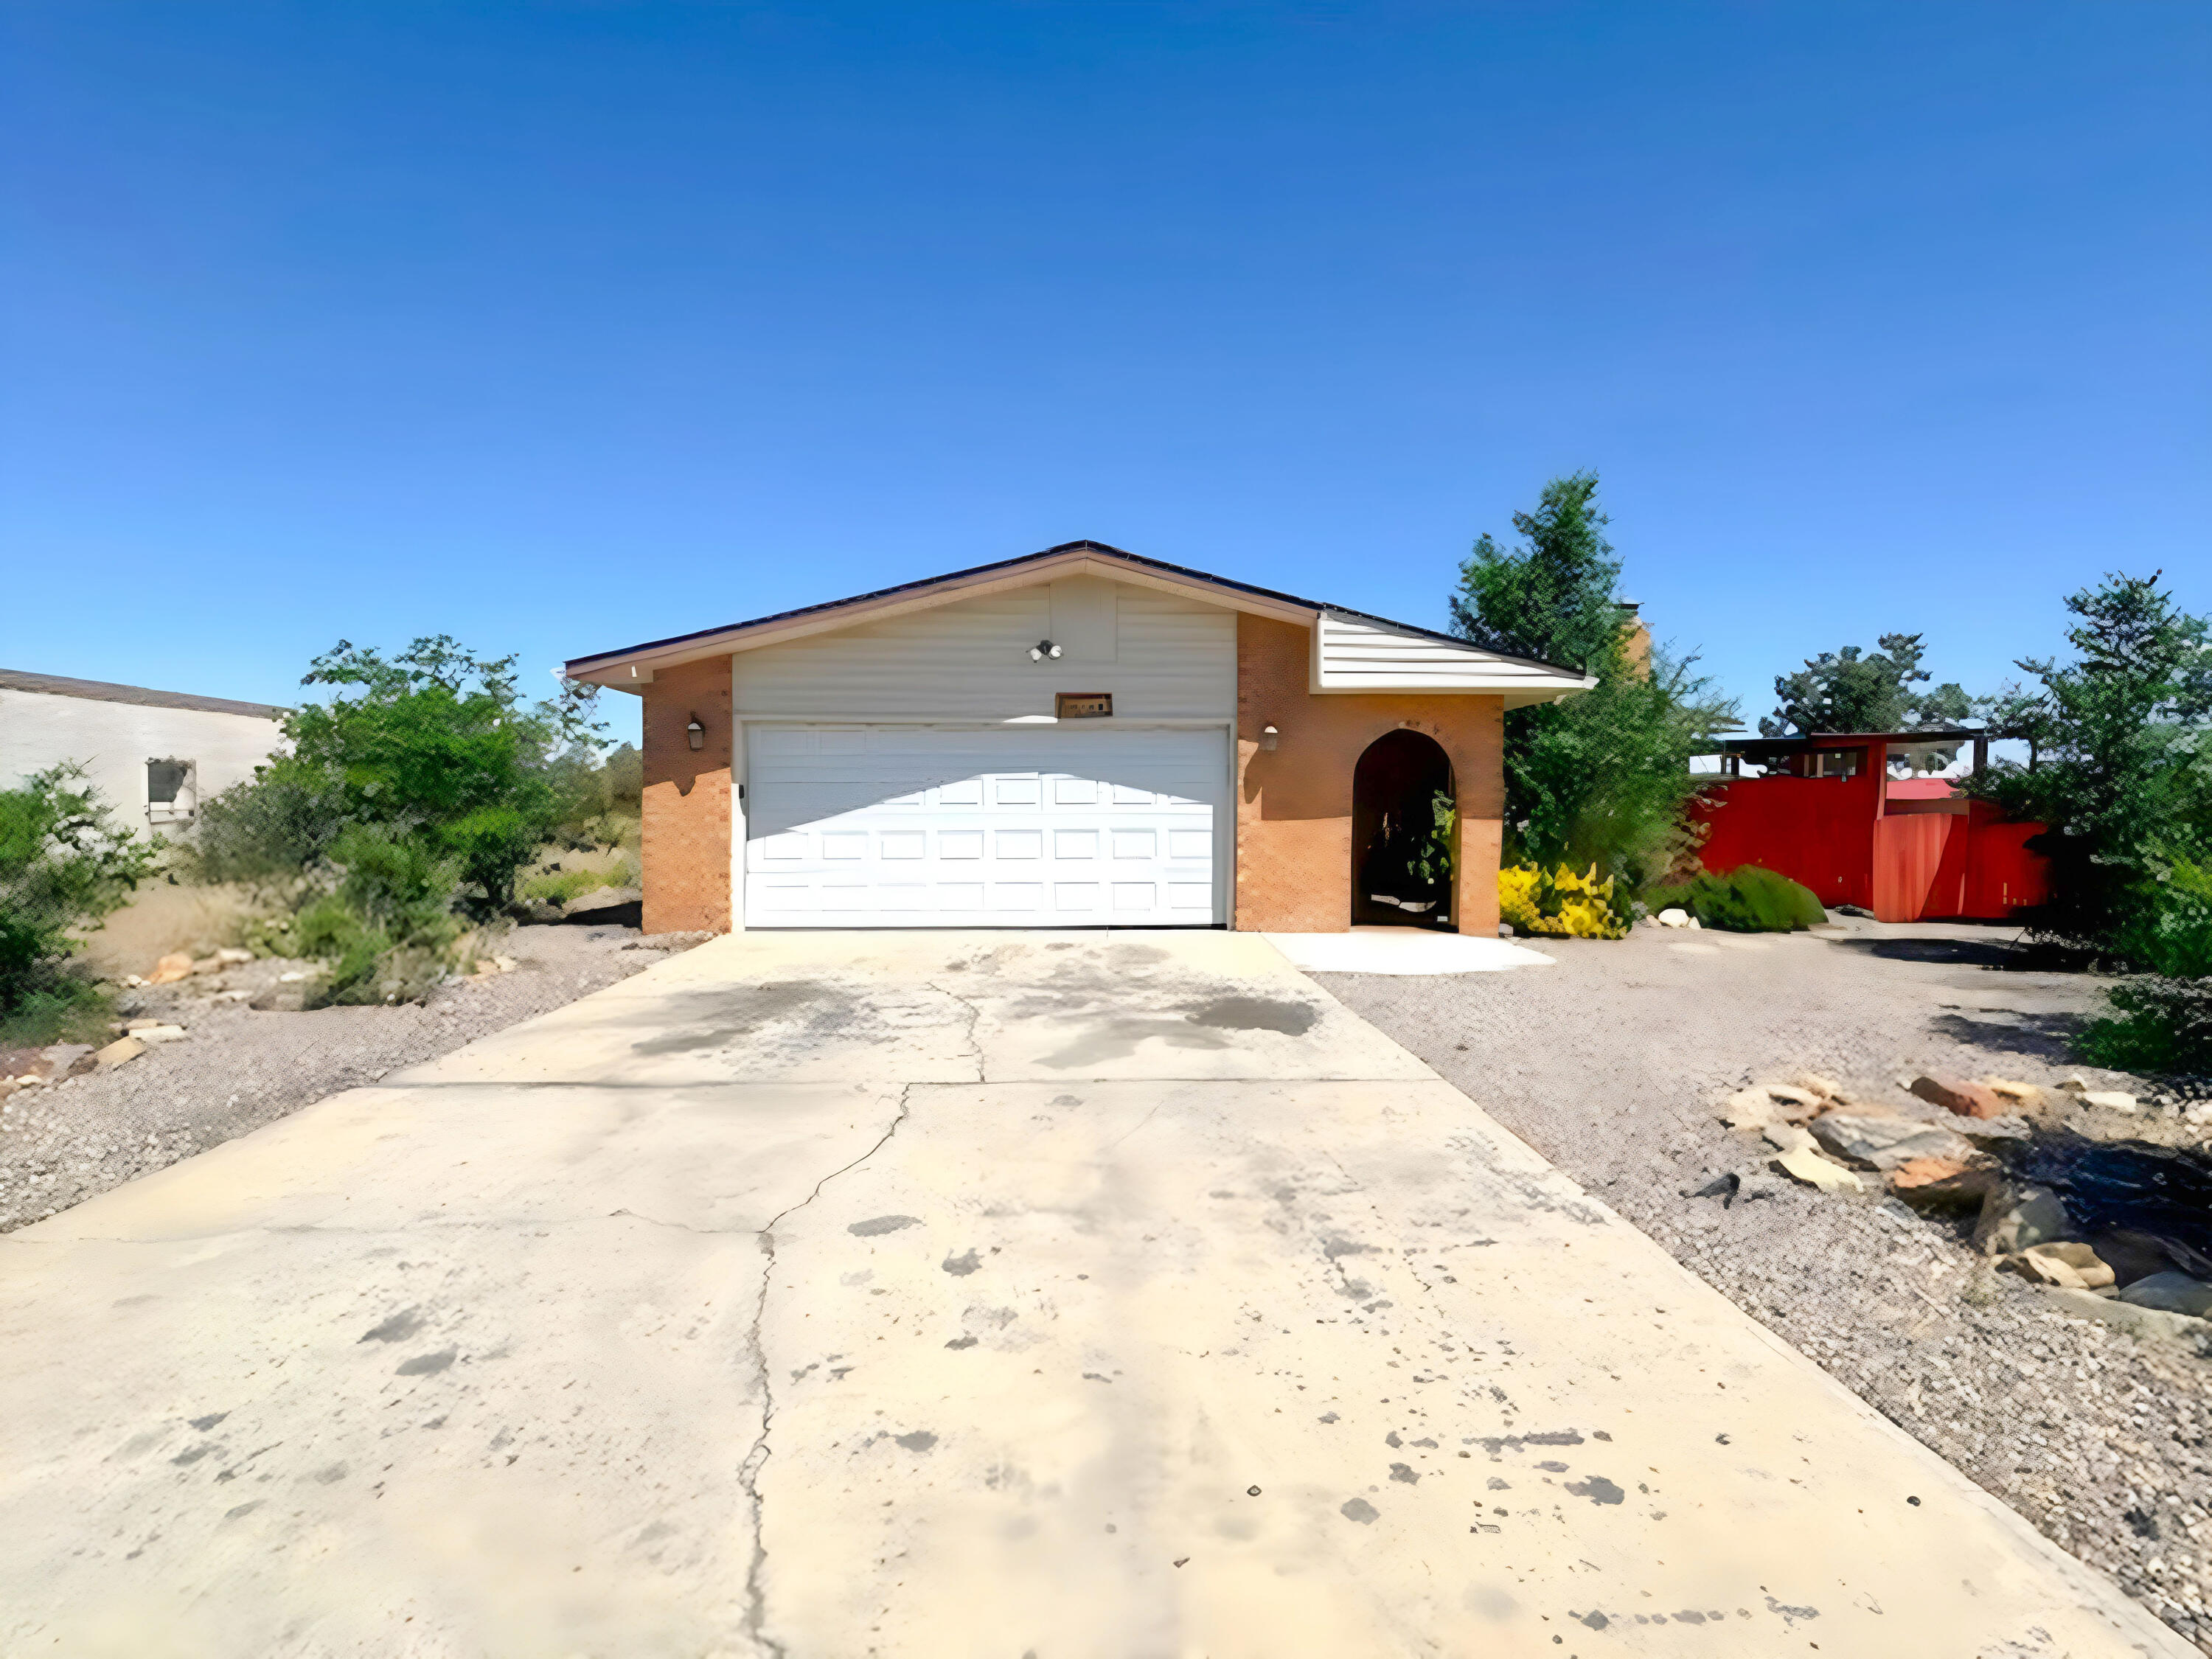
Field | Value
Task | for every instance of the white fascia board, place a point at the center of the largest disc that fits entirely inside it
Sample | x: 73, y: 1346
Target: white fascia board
x: 1353, y: 658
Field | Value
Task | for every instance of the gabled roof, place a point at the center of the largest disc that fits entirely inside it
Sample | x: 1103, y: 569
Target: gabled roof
x: 1357, y: 666
x: 57, y: 685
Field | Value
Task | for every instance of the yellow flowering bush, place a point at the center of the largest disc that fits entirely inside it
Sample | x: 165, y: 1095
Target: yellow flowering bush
x: 1560, y: 902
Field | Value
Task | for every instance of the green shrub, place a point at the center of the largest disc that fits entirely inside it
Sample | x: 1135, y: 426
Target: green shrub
x: 65, y: 862
x: 2158, y: 1027
x: 1749, y: 899
x: 559, y: 886
x: 70, y: 1009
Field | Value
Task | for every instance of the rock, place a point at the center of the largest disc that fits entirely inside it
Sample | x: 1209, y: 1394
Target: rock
x: 2020, y: 1094
x: 117, y: 1053
x: 2074, y: 1086
x: 1826, y: 1088
x: 1722, y: 1187
x: 2109, y: 1100
x: 1673, y: 916
x: 1767, y: 1102
x: 1506, y: 930
x: 1886, y: 1142
x: 232, y: 956
x: 1808, y: 1166
x: 177, y: 965
x: 1935, y: 1185
x: 61, y: 1059
x: 2008, y: 1127
x: 209, y: 965
x: 2137, y: 1322
x: 2171, y: 1292
x: 1695, y: 923
x: 1956, y: 1095
x: 1789, y: 1137
x: 281, y: 999
x: 1747, y: 1108
x: 232, y: 996
x: 2076, y: 1267
x: 151, y: 1035
x: 505, y: 964
x: 2017, y: 1215
x: 295, y: 976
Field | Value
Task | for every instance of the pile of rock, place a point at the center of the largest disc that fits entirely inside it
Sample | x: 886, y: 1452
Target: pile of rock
x: 182, y: 964
x: 1826, y: 1138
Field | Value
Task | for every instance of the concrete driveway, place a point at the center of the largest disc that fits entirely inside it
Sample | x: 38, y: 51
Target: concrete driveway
x: 831, y: 1295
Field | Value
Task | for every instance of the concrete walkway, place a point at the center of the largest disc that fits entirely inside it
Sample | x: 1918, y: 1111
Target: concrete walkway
x: 832, y: 1295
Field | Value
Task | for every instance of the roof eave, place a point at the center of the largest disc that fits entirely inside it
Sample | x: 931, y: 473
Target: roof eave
x: 634, y: 668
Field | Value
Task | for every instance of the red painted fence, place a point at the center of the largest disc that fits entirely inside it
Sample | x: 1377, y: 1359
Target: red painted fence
x: 1923, y: 859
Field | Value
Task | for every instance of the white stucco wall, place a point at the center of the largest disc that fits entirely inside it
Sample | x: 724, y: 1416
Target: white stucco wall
x: 114, y: 741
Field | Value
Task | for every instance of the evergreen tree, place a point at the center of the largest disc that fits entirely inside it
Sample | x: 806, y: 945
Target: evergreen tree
x: 1603, y: 777
x: 1850, y: 691
x: 2122, y: 775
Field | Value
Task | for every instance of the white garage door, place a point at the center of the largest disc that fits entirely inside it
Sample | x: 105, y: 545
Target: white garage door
x: 882, y: 826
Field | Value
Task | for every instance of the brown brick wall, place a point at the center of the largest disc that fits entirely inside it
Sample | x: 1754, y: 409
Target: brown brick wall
x: 687, y: 799
x: 1294, y: 804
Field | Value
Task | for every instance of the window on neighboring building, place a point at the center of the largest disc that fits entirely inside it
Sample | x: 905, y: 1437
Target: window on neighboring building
x: 171, y: 792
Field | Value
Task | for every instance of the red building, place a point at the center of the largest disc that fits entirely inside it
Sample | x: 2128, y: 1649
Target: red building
x: 1828, y: 813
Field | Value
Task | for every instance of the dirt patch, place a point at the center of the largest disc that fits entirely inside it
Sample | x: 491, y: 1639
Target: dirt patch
x: 1608, y: 1063
x: 237, y: 1068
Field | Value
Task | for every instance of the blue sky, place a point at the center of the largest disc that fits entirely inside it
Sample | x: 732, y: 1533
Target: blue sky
x: 560, y: 327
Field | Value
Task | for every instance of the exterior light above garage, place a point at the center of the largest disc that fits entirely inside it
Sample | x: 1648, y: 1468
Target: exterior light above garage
x: 696, y: 733
x: 1268, y: 737
x: 1043, y: 649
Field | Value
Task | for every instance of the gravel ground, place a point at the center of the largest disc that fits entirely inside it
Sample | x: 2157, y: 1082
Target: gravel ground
x: 1607, y: 1064
x: 238, y: 1068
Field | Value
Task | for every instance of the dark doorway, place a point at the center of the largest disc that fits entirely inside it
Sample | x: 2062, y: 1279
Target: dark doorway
x: 1402, y: 833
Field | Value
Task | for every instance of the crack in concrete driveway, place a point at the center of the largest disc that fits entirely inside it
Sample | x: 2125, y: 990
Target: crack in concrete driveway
x: 815, y: 1295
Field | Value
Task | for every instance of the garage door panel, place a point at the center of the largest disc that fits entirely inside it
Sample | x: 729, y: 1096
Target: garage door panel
x: 918, y: 826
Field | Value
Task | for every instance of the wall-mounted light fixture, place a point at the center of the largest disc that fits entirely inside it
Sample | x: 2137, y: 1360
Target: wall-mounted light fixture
x: 696, y: 733
x: 1043, y: 649
x: 1268, y: 737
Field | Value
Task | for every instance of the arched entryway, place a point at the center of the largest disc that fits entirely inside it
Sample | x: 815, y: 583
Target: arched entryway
x: 1401, y: 817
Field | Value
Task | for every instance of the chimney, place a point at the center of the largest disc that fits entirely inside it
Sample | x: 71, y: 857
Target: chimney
x: 1636, y: 641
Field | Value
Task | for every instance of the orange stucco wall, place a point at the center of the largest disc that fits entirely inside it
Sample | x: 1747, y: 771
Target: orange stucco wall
x: 1294, y: 803
x: 687, y: 799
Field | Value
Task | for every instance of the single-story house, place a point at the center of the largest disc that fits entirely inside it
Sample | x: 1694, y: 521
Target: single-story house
x: 1077, y: 738
x: 153, y: 755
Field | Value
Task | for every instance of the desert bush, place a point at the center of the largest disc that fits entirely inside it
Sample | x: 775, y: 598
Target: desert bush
x: 65, y: 862
x: 1562, y: 904
x: 401, y: 815
x: 1748, y: 899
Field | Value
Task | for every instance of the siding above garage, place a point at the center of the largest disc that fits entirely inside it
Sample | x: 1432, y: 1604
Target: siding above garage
x: 1357, y: 655
x: 1161, y: 655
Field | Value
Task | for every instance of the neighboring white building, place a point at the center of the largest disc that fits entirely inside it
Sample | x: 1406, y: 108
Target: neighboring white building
x: 154, y: 755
